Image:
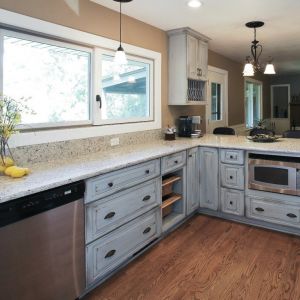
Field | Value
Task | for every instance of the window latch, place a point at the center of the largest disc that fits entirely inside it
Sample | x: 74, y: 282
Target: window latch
x: 98, y: 99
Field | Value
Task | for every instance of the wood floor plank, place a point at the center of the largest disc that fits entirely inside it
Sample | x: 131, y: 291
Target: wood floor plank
x: 210, y: 258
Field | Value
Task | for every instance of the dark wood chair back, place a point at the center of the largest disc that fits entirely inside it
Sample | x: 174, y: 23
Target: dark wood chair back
x: 224, y: 130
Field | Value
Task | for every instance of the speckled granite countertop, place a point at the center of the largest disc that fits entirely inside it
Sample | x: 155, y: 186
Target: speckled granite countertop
x: 53, y: 174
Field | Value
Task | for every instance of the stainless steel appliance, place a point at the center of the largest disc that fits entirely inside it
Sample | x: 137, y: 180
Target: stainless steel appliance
x: 42, y: 245
x: 277, y: 174
x: 185, y: 126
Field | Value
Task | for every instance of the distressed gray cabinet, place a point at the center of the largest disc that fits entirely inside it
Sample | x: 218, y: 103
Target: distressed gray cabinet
x: 193, y: 180
x: 209, y: 178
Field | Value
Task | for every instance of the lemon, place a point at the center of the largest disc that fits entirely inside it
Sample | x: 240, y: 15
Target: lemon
x: 8, y: 162
x: 9, y: 170
x: 18, y: 172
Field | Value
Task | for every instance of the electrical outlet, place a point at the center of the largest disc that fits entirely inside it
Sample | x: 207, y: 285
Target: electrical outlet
x: 115, y: 142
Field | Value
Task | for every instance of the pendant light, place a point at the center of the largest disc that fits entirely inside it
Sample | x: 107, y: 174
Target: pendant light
x: 252, y: 64
x: 120, y: 56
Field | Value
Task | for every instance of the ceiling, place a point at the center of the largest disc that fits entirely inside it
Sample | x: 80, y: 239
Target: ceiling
x: 223, y: 21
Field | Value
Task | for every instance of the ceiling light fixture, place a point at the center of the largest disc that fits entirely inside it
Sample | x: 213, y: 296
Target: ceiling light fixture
x: 120, y: 56
x: 194, y: 3
x: 252, y: 64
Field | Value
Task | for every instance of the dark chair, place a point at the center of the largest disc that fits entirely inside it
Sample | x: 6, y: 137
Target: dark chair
x: 256, y: 131
x: 292, y: 134
x: 224, y: 130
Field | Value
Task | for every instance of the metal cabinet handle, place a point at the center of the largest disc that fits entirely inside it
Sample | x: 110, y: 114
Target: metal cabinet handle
x: 291, y: 215
x: 98, y: 99
x: 191, y: 155
x: 110, y: 184
x: 231, y: 157
x: 230, y: 202
x: 176, y: 161
x: 259, y: 209
x: 148, y: 229
x: 110, y: 215
x: 146, y: 198
x: 110, y: 253
x: 147, y: 171
x: 231, y: 177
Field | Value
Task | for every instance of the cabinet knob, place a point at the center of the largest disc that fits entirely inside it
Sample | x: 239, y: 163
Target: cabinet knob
x: 230, y: 203
x: 190, y: 155
x: 110, y: 184
x: 291, y: 216
x: 259, y: 209
x: 110, y: 215
x: 146, y: 198
x: 176, y: 161
x: 231, y: 177
x: 231, y: 157
x: 148, y: 229
x: 147, y: 171
x: 110, y: 253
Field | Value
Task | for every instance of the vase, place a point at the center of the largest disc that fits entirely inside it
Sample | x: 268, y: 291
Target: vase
x: 6, y: 157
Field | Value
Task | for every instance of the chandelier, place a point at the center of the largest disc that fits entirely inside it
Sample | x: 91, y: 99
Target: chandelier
x: 252, y: 64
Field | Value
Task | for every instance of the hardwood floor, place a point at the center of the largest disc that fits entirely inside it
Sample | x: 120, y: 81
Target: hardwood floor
x: 209, y: 258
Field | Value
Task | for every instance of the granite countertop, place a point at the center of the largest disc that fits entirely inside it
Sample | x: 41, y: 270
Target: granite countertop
x: 56, y: 173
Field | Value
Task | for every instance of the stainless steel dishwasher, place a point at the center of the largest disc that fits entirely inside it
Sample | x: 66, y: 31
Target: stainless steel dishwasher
x: 42, y: 245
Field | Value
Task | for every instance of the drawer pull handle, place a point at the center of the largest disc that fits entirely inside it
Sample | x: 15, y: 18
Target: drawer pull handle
x: 176, y: 161
x: 110, y: 253
x: 191, y: 155
x: 110, y: 215
x: 110, y: 184
x: 259, y: 209
x: 230, y: 203
x: 148, y: 229
x: 231, y: 177
x: 291, y: 215
x: 147, y: 171
x: 146, y: 198
x: 231, y: 157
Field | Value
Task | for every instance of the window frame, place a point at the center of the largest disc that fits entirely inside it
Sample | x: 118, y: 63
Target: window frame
x: 52, y: 42
x: 39, y: 27
x: 255, y: 81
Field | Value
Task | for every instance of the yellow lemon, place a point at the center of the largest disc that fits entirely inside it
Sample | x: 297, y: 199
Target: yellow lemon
x: 8, y: 162
x: 27, y: 171
x: 18, y: 173
x: 9, y: 170
x: 2, y: 169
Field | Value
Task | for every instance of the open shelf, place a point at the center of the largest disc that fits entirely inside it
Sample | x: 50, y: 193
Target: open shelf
x: 170, y: 180
x: 168, y: 184
x: 170, y: 199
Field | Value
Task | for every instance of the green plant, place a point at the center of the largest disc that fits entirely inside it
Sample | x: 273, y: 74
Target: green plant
x: 10, y: 117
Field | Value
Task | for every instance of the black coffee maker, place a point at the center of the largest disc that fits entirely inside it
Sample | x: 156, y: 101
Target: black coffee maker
x: 185, y: 126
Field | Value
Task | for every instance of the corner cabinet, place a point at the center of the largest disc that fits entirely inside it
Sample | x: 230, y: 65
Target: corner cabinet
x: 193, y: 180
x: 209, y: 178
x: 188, y: 55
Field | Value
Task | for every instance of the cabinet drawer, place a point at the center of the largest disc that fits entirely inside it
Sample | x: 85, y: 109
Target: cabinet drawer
x: 232, y: 156
x: 173, y: 162
x: 107, y: 214
x: 232, y: 202
x: 232, y: 176
x: 274, y: 211
x: 107, y: 253
x: 104, y: 185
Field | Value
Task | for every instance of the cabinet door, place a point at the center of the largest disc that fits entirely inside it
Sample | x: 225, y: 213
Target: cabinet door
x: 193, y: 180
x: 209, y: 178
x: 202, y: 60
x: 192, y: 57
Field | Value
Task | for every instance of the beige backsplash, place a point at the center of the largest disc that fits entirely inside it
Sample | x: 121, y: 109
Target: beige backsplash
x: 27, y: 155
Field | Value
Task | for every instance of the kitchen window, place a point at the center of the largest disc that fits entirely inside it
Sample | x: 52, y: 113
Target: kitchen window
x: 69, y: 85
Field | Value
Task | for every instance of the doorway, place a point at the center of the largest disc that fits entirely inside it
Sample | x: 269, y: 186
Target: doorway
x: 217, y: 99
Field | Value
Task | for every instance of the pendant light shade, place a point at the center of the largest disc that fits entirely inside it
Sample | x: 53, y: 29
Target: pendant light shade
x: 248, y: 68
x: 120, y: 56
x: 270, y: 70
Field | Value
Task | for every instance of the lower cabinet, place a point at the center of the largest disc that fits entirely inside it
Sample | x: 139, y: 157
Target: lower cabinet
x: 273, y: 210
x: 107, y: 253
x: 232, y: 202
x: 209, y: 178
x: 193, y: 180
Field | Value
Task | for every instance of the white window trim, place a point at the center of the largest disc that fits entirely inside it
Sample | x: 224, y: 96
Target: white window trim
x: 69, y: 34
x: 261, y: 113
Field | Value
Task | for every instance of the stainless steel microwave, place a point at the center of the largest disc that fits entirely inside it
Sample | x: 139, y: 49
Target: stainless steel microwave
x: 277, y: 174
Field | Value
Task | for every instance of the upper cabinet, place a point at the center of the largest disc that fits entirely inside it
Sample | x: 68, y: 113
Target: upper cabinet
x: 188, y: 54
